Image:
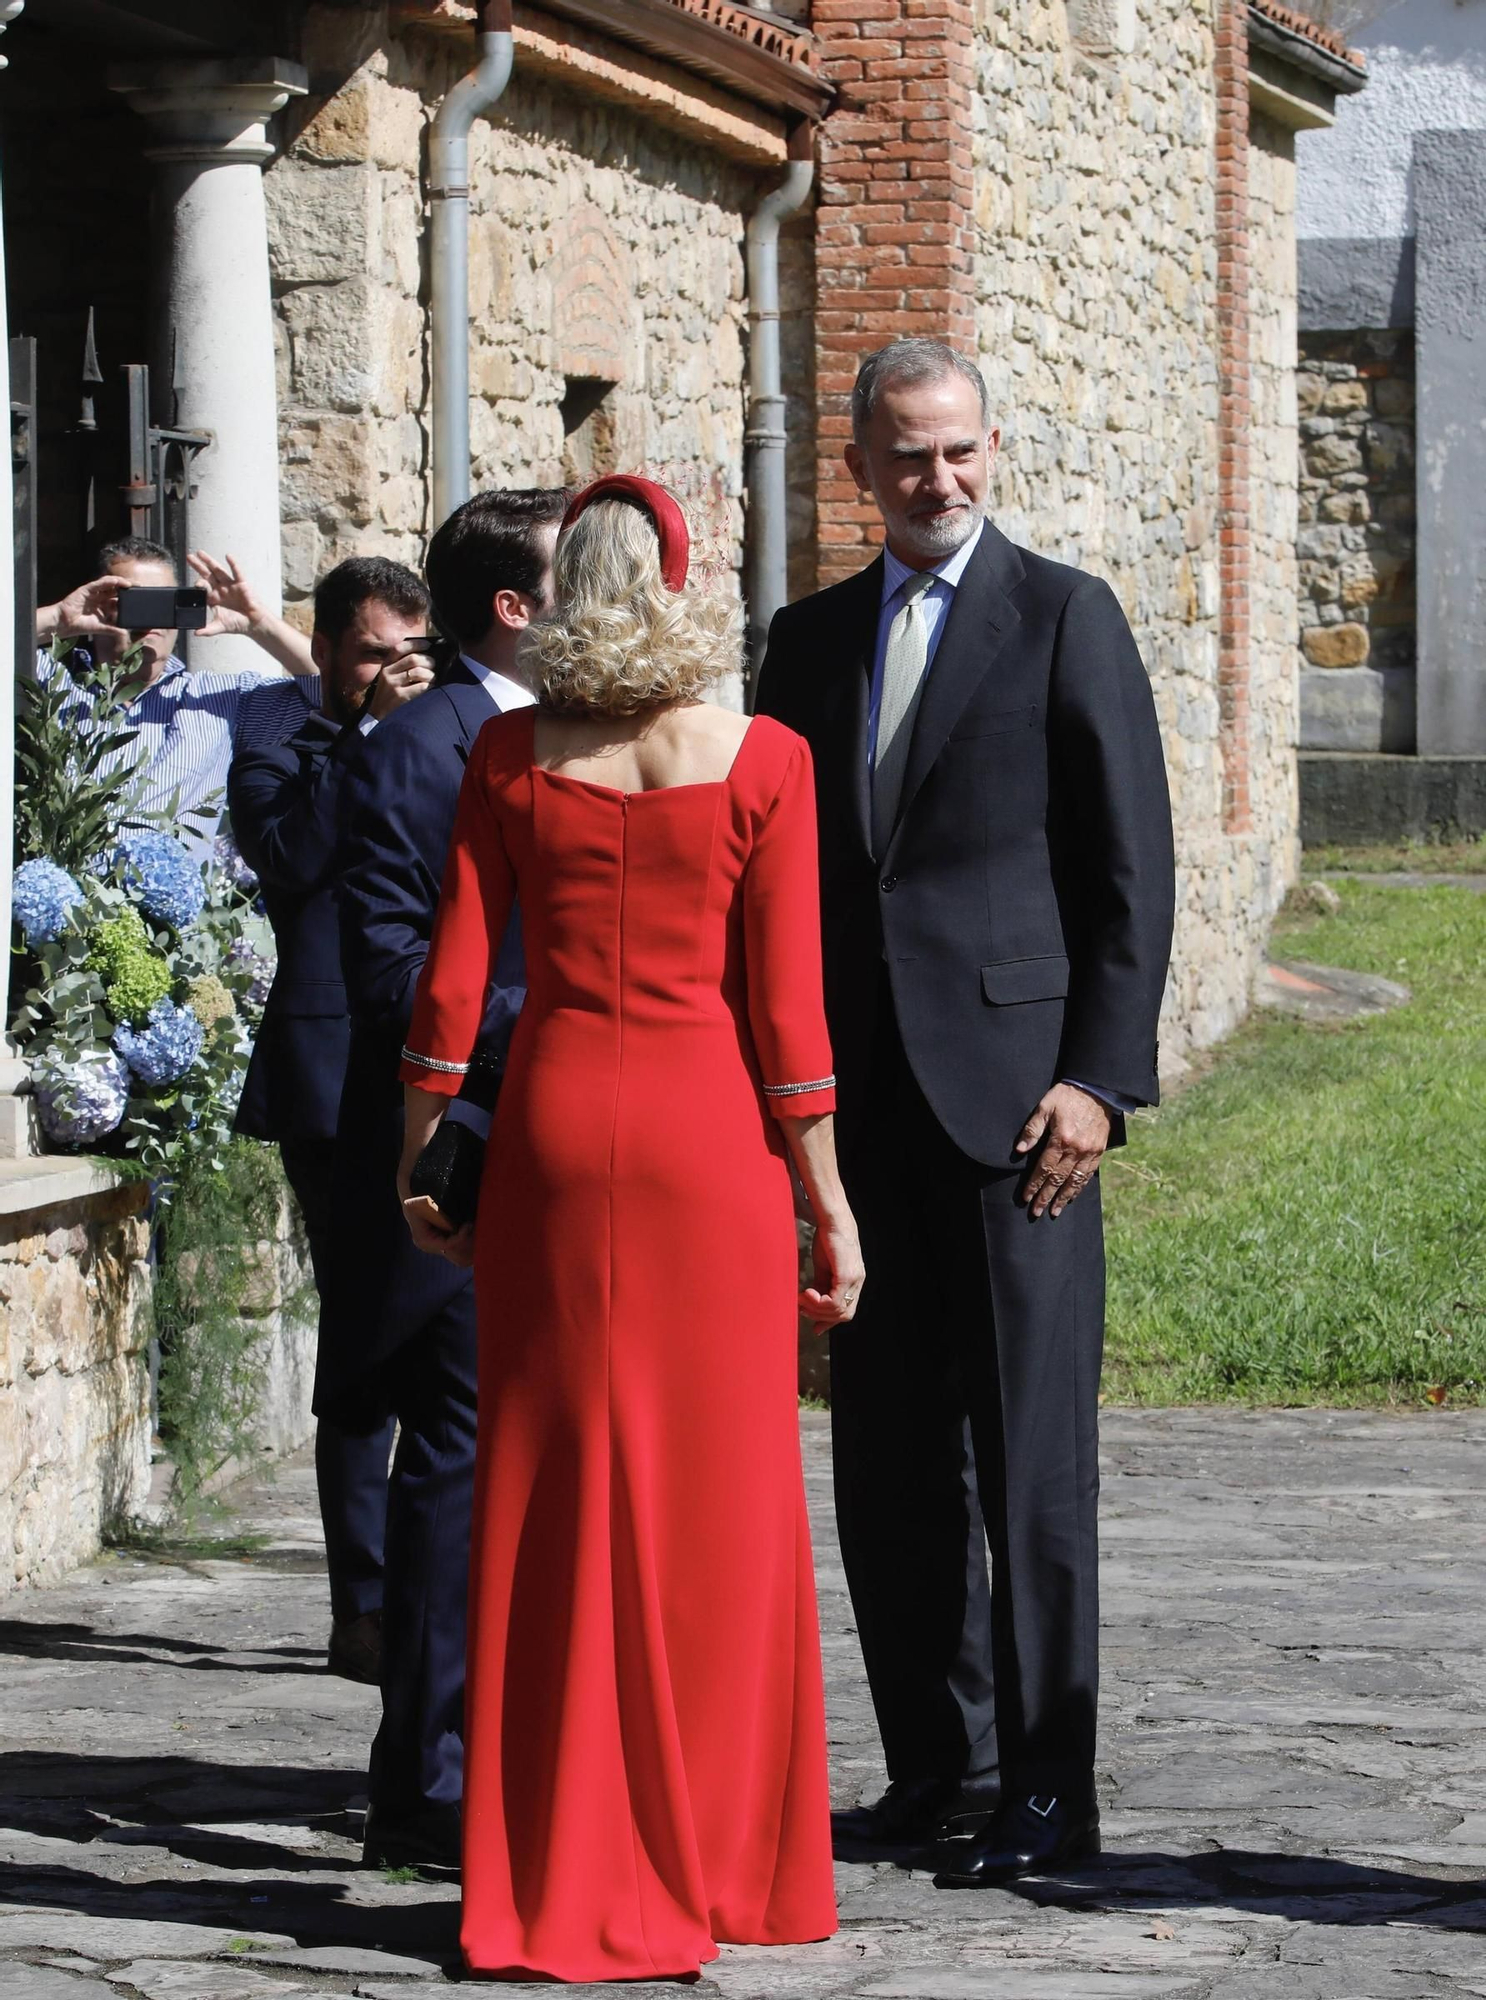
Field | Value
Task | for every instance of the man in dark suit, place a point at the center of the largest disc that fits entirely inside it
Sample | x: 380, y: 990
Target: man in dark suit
x: 409, y: 1318
x: 997, y: 885
x: 370, y: 650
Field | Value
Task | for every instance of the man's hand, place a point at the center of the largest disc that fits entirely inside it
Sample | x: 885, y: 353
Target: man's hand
x: 1077, y: 1131
x: 398, y: 682
x: 91, y: 608
x: 234, y: 608
x: 229, y: 596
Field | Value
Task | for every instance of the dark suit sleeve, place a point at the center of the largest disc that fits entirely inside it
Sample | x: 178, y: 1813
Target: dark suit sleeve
x: 1112, y: 843
x: 286, y: 818
x: 398, y: 813
x: 398, y: 807
x: 773, y: 692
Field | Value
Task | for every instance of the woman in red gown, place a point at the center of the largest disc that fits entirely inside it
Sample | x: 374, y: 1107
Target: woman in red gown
x: 645, y: 1769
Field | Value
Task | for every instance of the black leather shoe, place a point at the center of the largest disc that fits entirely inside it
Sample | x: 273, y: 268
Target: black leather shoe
x: 355, y: 1651
x: 428, y: 1838
x: 1027, y: 1836
x: 912, y: 1814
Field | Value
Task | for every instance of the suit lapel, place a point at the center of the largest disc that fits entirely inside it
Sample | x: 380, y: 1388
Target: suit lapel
x: 851, y: 701
x: 981, y: 620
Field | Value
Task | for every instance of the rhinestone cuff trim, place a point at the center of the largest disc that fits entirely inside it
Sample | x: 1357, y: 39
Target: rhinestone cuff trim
x: 799, y: 1089
x: 432, y: 1062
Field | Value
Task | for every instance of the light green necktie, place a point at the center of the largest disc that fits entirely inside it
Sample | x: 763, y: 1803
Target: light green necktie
x: 903, y: 668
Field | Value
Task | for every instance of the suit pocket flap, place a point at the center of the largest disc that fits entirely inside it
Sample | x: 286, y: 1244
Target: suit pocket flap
x: 1017, y: 979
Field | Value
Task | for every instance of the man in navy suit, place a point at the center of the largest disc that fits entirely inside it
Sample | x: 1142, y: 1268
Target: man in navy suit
x: 408, y: 1319
x: 369, y: 647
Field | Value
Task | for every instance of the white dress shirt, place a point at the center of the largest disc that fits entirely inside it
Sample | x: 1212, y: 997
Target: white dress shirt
x: 503, y: 691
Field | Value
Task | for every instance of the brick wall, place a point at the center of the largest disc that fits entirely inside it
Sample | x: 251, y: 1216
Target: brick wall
x: 894, y: 245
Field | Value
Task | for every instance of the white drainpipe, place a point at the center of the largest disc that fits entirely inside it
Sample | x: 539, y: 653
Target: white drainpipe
x: 449, y: 192
x: 767, y: 564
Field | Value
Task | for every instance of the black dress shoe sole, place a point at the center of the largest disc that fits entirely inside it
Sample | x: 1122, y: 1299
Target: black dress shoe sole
x: 1086, y: 1848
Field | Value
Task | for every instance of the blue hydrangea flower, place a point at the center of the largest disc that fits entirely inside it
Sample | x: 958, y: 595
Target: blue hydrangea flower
x: 229, y: 859
x: 43, y: 896
x: 168, y: 883
x: 79, y: 1102
x: 165, y: 1049
x: 245, y: 956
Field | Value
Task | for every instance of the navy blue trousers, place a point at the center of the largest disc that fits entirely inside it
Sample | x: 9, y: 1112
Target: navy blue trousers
x: 350, y: 1469
x: 417, y: 1759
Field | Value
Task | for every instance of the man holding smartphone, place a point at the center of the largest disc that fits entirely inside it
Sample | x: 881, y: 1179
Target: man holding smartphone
x: 371, y: 647
x: 186, y: 721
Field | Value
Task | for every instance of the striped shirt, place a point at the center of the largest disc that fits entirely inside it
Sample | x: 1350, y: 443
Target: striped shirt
x: 188, y: 727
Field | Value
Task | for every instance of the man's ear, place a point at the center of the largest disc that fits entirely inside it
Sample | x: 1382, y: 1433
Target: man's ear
x: 320, y: 653
x: 513, y: 609
x: 856, y: 465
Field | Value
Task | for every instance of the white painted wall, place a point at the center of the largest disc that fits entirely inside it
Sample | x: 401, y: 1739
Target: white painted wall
x: 1426, y: 63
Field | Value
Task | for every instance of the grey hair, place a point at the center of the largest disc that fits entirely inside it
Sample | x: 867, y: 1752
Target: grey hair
x: 912, y: 361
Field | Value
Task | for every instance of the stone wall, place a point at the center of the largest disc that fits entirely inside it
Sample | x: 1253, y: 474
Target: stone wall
x: 606, y: 283
x: 1272, y: 848
x: 74, y: 1382
x: 1096, y: 278
x: 75, y: 1330
x: 1357, y: 541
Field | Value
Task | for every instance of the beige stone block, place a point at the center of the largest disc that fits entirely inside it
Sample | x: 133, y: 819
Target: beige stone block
x: 318, y: 221
x: 1340, y: 398
x: 1335, y: 645
x: 338, y: 130
x: 397, y: 121
x: 334, y: 484
x: 299, y: 542
x: 335, y: 365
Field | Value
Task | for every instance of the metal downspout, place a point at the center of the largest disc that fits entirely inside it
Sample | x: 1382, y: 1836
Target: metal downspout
x: 767, y: 564
x: 449, y: 195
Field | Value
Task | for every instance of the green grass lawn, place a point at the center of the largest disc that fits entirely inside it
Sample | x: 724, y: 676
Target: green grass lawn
x: 1307, y: 1222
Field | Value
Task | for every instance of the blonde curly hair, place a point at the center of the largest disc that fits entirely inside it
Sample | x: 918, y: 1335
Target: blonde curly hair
x: 619, y: 641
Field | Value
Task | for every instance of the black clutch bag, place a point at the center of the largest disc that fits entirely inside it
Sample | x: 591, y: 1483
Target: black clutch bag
x: 448, y: 1171
x: 449, y: 1168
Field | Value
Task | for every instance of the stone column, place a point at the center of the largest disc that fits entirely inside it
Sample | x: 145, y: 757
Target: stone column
x: 1450, y: 359
x: 213, y: 333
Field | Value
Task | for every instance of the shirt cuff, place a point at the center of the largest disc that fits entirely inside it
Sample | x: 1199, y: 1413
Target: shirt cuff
x: 1114, y: 1100
x: 367, y: 724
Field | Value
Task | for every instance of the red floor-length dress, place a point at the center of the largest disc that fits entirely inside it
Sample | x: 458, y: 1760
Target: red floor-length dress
x: 645, y: 1767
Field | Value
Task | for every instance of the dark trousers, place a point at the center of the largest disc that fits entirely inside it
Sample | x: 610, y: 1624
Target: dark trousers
x: 417, y: 1759
x: 968, y: 1385
x: 350, y: 1469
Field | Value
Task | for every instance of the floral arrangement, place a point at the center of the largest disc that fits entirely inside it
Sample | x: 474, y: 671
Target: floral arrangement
x: 143, y: 974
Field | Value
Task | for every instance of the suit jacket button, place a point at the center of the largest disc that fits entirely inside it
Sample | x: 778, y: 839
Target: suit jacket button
x: 889, y: 883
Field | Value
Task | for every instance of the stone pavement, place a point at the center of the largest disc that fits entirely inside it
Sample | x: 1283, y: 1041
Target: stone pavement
x: 1294, y: 1756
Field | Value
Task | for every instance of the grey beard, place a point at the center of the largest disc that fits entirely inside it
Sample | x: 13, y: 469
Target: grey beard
x: 940, y: 535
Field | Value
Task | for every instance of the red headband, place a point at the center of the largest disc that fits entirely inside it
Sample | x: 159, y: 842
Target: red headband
x: 664, y: 512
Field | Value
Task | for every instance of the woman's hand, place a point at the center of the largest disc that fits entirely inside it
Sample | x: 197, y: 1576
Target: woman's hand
x: 432, y: 1230
x: 839, y: 1275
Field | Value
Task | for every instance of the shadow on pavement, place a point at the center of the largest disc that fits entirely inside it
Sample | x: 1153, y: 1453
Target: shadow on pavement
x: 39, y: 1640
x: 1304, y: 1889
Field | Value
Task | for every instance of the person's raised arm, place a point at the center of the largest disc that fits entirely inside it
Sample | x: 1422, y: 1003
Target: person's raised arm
x: 786, y: 1011
x: 236, y: 608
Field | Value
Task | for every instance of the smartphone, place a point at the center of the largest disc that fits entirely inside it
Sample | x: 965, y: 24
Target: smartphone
x: 145, y: 607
